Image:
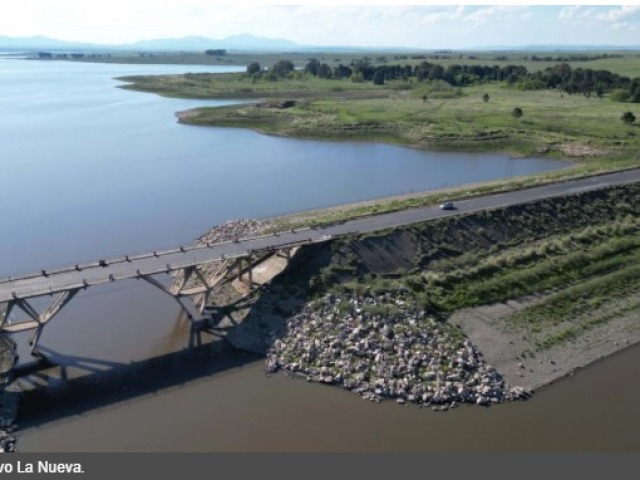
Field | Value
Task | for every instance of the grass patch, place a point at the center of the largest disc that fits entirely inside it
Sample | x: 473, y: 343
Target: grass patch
x: 583, y: 297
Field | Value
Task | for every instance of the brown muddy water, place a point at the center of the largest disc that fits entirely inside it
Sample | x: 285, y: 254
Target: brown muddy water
x: 135, y: 385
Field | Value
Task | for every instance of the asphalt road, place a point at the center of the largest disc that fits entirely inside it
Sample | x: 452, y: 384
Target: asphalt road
x: 80, y: 276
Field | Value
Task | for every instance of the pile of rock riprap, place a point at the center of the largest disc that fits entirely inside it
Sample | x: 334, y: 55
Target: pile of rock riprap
x: 7, y: 442
x: 386, y: 346
x: 8, y: 394
x: 234, y: 229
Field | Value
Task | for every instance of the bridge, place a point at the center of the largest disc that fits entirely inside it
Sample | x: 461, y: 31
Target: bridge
x: 198, y: 269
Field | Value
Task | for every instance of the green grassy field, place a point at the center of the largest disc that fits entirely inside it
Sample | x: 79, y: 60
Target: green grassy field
x: 396, y: 112
x: 228, y: 85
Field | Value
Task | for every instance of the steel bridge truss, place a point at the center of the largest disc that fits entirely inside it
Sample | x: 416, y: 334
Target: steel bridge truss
x: 195, y: 282
x: 37, y: 320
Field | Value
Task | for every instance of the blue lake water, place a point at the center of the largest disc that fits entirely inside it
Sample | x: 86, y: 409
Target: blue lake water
x: 91, y: 170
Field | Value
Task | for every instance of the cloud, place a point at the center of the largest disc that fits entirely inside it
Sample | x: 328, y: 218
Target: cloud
x: 497, y: 14
x: 613, y: 15
x: 576, y: 12
x: 616, y: 14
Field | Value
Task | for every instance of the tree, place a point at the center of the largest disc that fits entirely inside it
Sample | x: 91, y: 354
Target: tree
x: 253, y: 68
x: 436, y: 72
x: 628, y: 118
x: 516, y: 112
x: 312, y: 67
x: 357, y: 77
x: 485, y: 97
x: 634, y: 90
x: 218, y: 52
x: 378, y: 77
x: 324, y: 71
x: 282, y: 68
x: 342, y: 71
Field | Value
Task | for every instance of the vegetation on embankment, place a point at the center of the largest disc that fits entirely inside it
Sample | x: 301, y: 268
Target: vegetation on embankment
x: 540, y: 288
x: 580, y: 252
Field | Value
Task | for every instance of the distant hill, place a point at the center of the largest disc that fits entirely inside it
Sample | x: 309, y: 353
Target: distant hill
x: 192, y: 43
x: 248, y: 42
x: 40, y: 42
x: 233, y: 42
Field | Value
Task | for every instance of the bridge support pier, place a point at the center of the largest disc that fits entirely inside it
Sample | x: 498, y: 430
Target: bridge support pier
x: 285, y: 253
x: 38, y: 320
x: 191, y: 282
x: 248, y: 278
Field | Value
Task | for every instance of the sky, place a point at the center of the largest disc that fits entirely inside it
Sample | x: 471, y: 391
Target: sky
x: 327, y: 24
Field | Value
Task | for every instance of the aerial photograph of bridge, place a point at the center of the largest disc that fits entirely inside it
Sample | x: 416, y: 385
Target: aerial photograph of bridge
x: 319, y: 228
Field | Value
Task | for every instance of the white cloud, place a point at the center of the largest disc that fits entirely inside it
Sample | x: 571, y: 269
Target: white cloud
x: 614, y: 15
x: 576, y: 12
x: 497, y: 14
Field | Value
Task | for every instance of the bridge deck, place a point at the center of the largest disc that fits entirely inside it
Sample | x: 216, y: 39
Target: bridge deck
x: 106, y: 271
x: 124, y: 268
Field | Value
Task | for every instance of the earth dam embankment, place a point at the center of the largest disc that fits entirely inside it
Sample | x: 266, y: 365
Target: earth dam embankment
x: 486, y: 274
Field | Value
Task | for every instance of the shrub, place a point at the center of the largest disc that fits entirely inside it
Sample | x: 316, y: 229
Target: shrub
x: 619, y: 96
x: 628, y: 117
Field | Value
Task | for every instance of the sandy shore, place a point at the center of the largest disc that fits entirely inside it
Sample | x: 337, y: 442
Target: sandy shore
x: 513, y: 351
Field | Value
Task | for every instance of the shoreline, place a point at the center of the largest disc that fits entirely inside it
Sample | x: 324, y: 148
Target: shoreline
x: 504, y: 349
x: 512, y: 146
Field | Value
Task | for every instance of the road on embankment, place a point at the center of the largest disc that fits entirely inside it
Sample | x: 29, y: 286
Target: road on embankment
x: 104, y: 271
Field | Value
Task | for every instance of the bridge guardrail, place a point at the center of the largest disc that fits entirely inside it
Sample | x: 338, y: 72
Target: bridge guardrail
x: 131, y: 258
x: 275, y: 234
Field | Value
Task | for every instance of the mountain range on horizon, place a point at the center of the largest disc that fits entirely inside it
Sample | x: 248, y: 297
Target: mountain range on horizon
x: 247, y: 42
x: 189, y: 43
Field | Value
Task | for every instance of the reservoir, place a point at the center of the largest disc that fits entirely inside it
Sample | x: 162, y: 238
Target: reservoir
x: 91, y: 171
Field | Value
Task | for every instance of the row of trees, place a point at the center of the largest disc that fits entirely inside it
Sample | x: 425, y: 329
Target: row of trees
x: 582, y: 81
x: 279, y: 69
x: 574, y: 58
